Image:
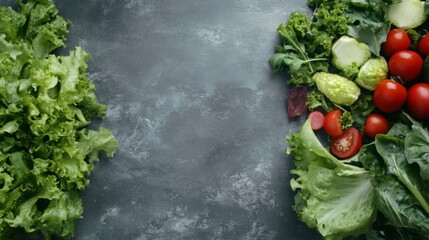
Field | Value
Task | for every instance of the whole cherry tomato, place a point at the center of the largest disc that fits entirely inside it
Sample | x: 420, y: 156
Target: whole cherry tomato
x: 376, y: 124
x: 418, y: 101
x: 332, y: 125
x: 397, y: 40
x: 389, y: 96
x: 424, y: 45
x: 406, y: 64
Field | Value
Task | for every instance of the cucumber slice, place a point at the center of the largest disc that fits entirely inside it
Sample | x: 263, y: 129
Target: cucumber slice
x: 407, y: 14
x: 348, y: 52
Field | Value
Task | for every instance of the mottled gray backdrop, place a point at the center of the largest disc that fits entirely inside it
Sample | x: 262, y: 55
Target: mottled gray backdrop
x: 199, y: 116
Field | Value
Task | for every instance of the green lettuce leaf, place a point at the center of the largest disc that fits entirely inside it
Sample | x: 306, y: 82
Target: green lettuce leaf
x: 46, y: 103
x: 333, y: 197
x: 45, y: 30
x: 11, y: 23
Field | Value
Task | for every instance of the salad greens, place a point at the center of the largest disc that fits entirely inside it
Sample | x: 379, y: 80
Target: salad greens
x: 46, y: 104
x: 342, y: 200
x: 382, y: 192
x: 334, y: 197
x: 307, y: 43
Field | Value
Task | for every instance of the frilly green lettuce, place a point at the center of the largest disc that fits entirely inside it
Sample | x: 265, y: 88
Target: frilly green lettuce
x: 46, y: 101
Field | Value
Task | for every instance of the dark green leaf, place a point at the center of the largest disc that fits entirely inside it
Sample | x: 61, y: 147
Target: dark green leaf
x: 417, y: 149
x: 392, y: 150
x: 392, y: 198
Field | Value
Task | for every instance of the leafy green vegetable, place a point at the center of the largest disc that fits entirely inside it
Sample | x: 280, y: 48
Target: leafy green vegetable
x: 330, y: 17
x: 293, y: 55
x: 392, y: 198
x: 392, y: 150
x: 368, y: 22
x: 362, y: 108
x: 346, y: 120
x: 417, y: 149
x: 388, y: 198
x: 317, y: 99
x: 333, y: 197
x: 46, y: 153
x: 307, y: 43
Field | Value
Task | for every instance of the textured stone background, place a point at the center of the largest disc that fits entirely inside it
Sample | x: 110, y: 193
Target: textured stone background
x: 199, y: 116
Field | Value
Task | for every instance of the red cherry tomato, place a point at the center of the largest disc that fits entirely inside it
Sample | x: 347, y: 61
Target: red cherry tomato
x: 317, y: 119
x: 406, y: 64
x: 348, y: 144
x: 376, y: 124
x: 418, y: 101
x: 397, y: 40
x: 424, y: 45
x: 389, y: 96
x: 332, y: 125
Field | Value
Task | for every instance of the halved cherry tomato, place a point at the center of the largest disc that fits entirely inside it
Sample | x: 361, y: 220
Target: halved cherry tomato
x: 317, y: 119
x: 332, y: 123
x: 376, y: 124
x: 397, y: 40
x: 418, y: 101
x: 424, y: 45
x: 348, y: 144
x: 389, y: 96
x: 406, y: 64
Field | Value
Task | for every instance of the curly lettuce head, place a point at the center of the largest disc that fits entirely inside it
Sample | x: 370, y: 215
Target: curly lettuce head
x: 46, y: 101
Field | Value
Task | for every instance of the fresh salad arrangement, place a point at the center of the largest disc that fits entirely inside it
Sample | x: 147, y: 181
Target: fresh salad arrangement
x: 47, y: 102
x: 359, y: 69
